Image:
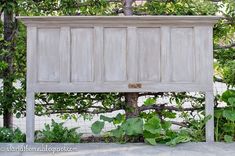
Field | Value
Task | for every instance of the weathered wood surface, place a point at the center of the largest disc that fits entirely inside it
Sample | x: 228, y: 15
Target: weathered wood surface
x: 105, y: 54
x: 119, y: 54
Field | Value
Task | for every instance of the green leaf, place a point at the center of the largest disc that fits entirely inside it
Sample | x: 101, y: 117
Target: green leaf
x: 149, y: 101
x: 228, y: 94
x: 118, y: 133
x: 168, y: 114
x: 153, y: 125
x: 133, y: 126
x: 105, y: 118
x: 229, y: 114
x: 228, y: 127
x: 18, y: 115
x: 218, y: 113
x: 166, y: 125
x: 97, y: 127
x: 119, y: 118
x: 74, y: 117
x: 56, y: 132
x: 207, y: 118
x: 179, y: 139
x: 151, y: 141
x: 228, y: 138
x: 231, y: 101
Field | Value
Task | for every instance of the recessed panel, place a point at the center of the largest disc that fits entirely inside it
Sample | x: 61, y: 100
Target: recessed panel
x: 182, y: 55
x: 149, y: 54
x: 115, y: 54
x: 48, y: 55
x: 81, y: 54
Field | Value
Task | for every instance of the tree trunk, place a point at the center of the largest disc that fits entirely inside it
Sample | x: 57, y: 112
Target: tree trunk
x: 7, y: 73
x: 127, y: 7
x: 130, y: 98
x: 132, y: 105
x: 7, y: 118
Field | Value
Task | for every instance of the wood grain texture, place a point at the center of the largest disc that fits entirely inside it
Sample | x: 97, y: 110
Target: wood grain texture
x: 82, y: 54
x: 30, y: 117
x: 149, y: 43
x: 64, y: 50
x: 166, y: 72
x: 204, y: 54
x: 31, y: 80
x: 98, y: 54
x: 68, y: 20
x: 118, y: 87
x: 31, y: 56
x: 115, y: 54
x: 119, y: 54
x: 209, y: 109
x: 132, y: 55
x: 182, y: 55
x: 154, y: 55
x: 48, y: 55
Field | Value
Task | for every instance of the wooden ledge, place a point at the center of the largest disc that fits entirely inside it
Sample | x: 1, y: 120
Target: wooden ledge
x: 28, y: 20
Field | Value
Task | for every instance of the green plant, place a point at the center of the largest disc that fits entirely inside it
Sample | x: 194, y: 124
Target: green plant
x: 149, y: 127
x: 179, y: 7
x: 225, y: 118
x: 131, y: 127
x: 56, y: 132
x: 11, y: 135
x: 157, y: 131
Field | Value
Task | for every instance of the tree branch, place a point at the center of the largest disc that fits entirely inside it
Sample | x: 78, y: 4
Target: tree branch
x: 182, y: 124
x: 218, y: 79
x: 160, y: 107
x: 149, y: 94
x: 100, y: 110
x: 82, y: 111
x: 226, y: 46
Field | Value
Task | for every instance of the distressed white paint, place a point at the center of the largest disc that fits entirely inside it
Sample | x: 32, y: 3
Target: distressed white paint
x: 149, y: 54
x: 31, y: 80
x: 107, y: 54
x: 115, y: 54
x: 165, y: 54
x: 82, y: 54
x: 64, y: 51
x: 98, y: 54
x: 203, y: 43
x: 182, y: 55
x: 132, y: 64
x: 30, y: 117
x: 48, y: 55
x: 210, y: 111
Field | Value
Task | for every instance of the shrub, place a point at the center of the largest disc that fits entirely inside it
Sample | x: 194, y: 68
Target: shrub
x: 11, y: 135
x: 225, y: 118
x: 57, y: 133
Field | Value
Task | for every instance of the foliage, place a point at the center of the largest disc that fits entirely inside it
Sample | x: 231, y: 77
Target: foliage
x: 179, y: 7
x: 151, y: 128
x: 57, y: 133
x: 181, y: 137
x: 149, y: 101
x: 229, y: 72
x: 97, y: 127
x: 11, y: 135
x: 225, y: 118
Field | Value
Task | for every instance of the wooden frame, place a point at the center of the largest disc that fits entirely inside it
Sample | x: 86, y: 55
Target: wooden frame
x: 119, y: 54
